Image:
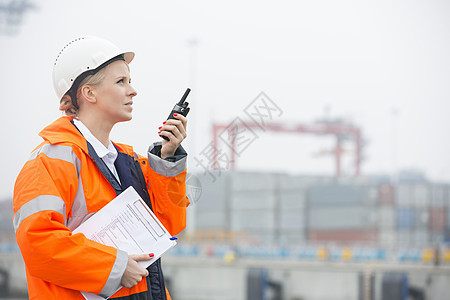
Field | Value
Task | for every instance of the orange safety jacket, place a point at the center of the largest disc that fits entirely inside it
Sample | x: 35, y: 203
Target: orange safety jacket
x: 59, y: 188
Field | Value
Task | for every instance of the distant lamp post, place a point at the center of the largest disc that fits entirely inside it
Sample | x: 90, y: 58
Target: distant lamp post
x: 192, y: 44
x: 394, y: 144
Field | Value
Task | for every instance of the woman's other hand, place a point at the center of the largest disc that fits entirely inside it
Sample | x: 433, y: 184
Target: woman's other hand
x: 134, y: 272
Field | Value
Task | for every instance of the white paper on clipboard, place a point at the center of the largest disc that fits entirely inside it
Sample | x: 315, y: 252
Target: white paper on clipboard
x: 128, y: 224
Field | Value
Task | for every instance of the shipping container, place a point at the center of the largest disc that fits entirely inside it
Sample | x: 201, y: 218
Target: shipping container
x: 326, y: 195
x: 422, y: 218
x: 295, y: 199
x: 404, y: 237
x: 447, y: 235
x: 212, y: 220
x: 439, y: 195
x: 355, y: 235
x: 253, y: 200
x: 291, y: 220
x: 263, y: 237
x: 253, y: 219
x: 405, y: 217
x: 214, y: 194
x: 342, y: 217
x: 438, y: 219
x: 285, y: 182
x: 448, y: 218
x: 252, y: 181
x: 369, y: 194
x: 386, y: 217
x: 291, y: 237
x: 387, y: 238
x: 404, y: 195
x: 421, y: 238
x: 421, y: 195
x: 437, y: 238
x: 386, y: 194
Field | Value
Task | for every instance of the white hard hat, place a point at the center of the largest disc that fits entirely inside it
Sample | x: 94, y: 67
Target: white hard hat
x: 81, y: 55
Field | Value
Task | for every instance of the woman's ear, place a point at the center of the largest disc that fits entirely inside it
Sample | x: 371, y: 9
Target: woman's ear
x: 88, y: 93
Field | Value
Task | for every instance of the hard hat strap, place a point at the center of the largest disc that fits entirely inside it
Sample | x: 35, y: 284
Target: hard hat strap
x: 72, y: 92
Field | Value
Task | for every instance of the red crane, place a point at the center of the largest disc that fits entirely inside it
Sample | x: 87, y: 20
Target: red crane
x: 341, y: 131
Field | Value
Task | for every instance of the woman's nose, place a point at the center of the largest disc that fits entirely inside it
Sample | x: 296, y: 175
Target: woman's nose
x: 132, y: 91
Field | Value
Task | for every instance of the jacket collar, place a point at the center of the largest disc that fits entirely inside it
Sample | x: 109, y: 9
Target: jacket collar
x: 63, y: 131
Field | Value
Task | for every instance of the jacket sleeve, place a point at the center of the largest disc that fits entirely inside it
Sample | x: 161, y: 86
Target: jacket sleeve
x: 166, y: 181
x: 43, y: 197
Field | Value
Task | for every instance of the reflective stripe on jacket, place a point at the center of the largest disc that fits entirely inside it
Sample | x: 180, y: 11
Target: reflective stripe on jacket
x: 60, y: 187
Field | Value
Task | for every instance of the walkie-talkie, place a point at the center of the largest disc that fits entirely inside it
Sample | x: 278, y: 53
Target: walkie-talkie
x: 180, y: 108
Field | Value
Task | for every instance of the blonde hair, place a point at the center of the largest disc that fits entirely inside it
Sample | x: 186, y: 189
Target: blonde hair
x: 66, y: 104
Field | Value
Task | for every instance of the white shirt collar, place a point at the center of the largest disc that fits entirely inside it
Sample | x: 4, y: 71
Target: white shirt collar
x: 99, y: 148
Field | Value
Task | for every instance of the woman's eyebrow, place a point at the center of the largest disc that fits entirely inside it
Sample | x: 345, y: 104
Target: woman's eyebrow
x: 122, y: 77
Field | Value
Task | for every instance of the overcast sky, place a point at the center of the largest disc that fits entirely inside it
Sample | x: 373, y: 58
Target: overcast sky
x: 383, y: 65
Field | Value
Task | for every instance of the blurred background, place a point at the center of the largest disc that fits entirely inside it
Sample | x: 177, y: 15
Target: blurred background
x: 318, y: 149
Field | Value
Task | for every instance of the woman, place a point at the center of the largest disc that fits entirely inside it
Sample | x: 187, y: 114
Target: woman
x: 77, y: 170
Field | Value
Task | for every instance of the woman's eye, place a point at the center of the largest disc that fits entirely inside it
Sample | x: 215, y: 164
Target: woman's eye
x: 120, y: 81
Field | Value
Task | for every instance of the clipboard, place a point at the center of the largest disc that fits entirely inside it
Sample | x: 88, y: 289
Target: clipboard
x: 128, y: 224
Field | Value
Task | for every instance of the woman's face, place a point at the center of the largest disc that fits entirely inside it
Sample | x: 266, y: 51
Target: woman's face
x: 114, y: 94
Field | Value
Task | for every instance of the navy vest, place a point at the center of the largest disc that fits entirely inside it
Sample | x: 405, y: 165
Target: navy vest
x: 130, y: 174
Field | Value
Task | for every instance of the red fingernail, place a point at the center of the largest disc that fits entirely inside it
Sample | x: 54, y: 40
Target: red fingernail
x: 159, y: 132
x: 164, y: 122
x: 175, y: 115
x: 151, y: 255
x: 159, y: 127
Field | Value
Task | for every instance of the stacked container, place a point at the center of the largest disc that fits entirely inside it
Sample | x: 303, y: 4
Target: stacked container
x: 421, y: 195
x: 386, y: 215
x: 212, y: 209
x: 252, y: 204
x: 291, y: 199
x: 291, y: 210
x: 421, y: 214
x: 438, y: 212
x: 405, y: 215
x: 342, y: 213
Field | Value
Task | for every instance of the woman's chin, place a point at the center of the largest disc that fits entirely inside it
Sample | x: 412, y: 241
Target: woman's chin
x: 125, y: 118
